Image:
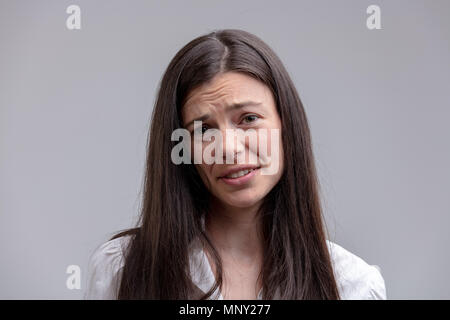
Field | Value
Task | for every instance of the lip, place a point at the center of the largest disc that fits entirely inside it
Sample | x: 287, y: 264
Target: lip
x: 241, y: 180
x: 238, y: 168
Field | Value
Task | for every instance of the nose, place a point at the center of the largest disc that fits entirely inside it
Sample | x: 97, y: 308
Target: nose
x: 232, y: 146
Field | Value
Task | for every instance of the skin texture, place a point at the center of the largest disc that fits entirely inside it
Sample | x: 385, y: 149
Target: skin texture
x: 232, y: 223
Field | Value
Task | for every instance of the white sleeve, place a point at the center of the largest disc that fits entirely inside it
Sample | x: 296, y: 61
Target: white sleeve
x: 376, y: 285
x: 356, y: 279
x: 104, y: 271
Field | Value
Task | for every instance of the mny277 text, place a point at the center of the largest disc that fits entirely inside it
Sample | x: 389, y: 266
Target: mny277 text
x: 226, y: 309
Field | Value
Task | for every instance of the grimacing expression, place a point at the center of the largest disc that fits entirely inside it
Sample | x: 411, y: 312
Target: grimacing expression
x: 220, y: 105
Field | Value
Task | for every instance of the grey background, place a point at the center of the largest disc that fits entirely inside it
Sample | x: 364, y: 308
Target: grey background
x: 75, y: 108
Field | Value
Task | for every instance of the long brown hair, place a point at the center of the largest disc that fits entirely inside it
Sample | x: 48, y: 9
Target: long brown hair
x: 296, y: 257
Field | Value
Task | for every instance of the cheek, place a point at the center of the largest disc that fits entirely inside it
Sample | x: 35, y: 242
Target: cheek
x: 270, y: 150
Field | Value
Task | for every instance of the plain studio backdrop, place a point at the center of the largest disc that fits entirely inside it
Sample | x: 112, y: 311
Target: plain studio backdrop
x: 75, y: 109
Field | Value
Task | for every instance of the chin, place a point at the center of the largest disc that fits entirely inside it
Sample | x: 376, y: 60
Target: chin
x: 242, y: 198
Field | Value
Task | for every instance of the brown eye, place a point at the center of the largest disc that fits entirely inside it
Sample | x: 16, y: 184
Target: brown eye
x: 201, y: 130
x: 250, y: 118
x: 204, y: 128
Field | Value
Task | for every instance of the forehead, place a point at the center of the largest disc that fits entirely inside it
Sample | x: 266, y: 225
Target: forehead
x: 226, y: 89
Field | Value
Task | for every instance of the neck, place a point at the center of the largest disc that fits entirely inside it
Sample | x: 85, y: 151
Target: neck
x: 235, y: 230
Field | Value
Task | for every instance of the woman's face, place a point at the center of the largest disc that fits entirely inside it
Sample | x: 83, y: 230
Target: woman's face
x: 212, y: 103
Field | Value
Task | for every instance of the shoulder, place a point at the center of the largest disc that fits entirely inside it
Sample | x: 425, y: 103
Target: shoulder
x: 356, y: 279
x: 104, y: 269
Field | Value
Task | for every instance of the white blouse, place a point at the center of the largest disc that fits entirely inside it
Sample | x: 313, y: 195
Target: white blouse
x: 356, y: 280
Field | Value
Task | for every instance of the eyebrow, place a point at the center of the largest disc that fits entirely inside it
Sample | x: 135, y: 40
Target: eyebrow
x: 233, y: 106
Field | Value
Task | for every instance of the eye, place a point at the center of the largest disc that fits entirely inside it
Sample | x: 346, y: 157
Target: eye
x: 250, y: 118
x: 202, y: 130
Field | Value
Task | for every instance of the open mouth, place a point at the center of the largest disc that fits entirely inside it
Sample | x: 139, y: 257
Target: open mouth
x: 240, y: 177
x: 239, y: 174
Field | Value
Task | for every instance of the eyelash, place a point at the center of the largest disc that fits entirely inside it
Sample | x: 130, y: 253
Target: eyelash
x: 245, y: 117
x: 252, y: 115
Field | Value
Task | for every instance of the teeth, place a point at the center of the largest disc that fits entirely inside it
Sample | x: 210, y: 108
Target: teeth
x: 239, y: 174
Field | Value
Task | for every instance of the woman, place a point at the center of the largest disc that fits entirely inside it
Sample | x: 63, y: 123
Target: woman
x: 226, y: 230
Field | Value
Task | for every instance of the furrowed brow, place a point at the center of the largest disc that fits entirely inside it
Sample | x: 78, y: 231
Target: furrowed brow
x: 233, y: 106
x: 242, y: 104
